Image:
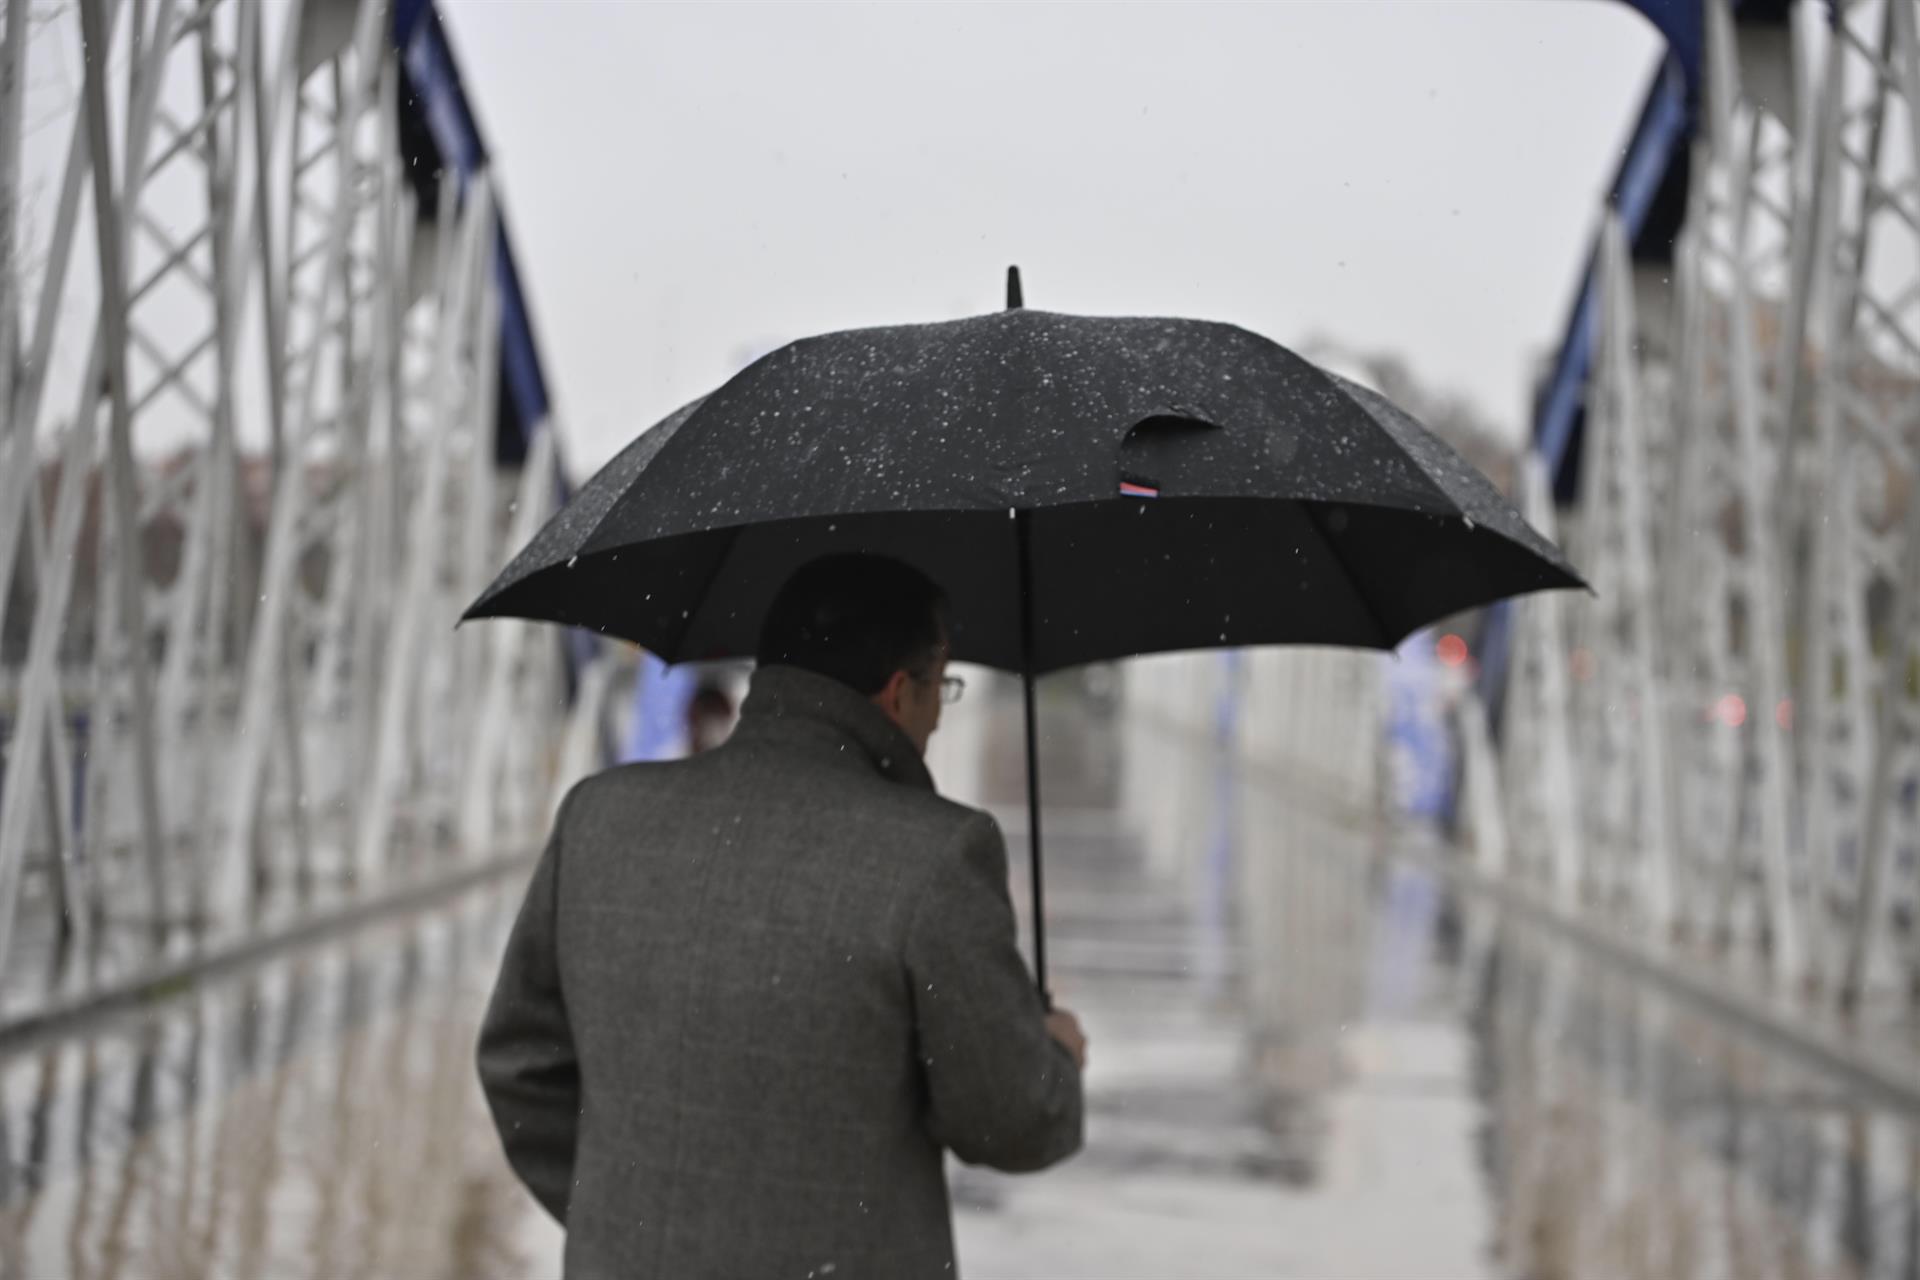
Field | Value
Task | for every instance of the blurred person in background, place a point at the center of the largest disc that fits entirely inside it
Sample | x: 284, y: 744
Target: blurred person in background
x: 709, y: 719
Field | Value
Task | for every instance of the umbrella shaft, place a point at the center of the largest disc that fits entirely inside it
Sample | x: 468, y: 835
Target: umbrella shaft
x: 1033, y: 835
x: 1023, y: 535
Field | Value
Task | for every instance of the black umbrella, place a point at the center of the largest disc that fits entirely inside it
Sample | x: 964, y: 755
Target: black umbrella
x: 1083, y: 487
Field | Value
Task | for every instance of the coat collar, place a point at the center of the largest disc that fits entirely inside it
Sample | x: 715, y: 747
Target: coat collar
x: 789, y: 702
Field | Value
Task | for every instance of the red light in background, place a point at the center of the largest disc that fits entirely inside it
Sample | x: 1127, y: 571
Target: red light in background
x: 1451, y: 650
x: 1732, y: 710
x: 1783, y: 714
x: 1582, y: 663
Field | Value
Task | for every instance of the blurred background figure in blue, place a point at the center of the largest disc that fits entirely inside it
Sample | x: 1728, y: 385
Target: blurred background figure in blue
x: 1419, y: 744
x: 679, y: 710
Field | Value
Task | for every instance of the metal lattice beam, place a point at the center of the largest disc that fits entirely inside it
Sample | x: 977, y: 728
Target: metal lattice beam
x: 227, y: 567
x: 1776, y: 433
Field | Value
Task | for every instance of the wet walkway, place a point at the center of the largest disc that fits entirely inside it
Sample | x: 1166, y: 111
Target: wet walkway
x: 1376, y: 1081
x: 1216, y: 1147
x: 1193, y: 1165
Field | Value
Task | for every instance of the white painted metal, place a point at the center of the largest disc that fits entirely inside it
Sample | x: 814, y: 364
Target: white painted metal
x: 1538, y: 762
x: 1785, y: 528
x: 401, y: 700
x: 581, y: 749
x: 506, y: 645
x: 39, y: 705
x: 129, y: 575
x: 264, y: 366
x: 1480, y: 780
x: 1616, y: 419
x: 1895, y: 203
x: 1735, y: 141
x: 13, y: 93
x: 264, y: 691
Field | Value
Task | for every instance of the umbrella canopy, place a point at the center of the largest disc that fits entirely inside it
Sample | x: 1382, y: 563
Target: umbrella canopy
x: 1083, y: 488
x: 1160, y: 484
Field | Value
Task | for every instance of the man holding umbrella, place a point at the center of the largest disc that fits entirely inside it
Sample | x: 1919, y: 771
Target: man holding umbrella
x: 1085, y: 488
x: 752, y: 996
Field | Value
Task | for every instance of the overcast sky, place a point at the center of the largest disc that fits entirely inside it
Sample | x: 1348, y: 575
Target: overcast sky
x: 693, y: 184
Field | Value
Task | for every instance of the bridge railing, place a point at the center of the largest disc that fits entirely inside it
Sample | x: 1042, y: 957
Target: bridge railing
x: 1259, y: 778
x: 250, y: 470
x: 1721, y: 749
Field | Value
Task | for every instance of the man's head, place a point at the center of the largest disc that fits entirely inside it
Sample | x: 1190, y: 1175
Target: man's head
x: 874, y: 624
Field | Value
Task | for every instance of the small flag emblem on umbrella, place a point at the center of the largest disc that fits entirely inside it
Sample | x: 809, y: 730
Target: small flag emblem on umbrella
x: 1128, y: 489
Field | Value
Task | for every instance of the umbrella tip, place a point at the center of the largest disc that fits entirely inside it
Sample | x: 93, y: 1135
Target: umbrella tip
x: 1015, y: 300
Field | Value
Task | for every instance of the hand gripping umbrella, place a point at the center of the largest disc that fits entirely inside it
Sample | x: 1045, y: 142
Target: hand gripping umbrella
x: 1084, y: 488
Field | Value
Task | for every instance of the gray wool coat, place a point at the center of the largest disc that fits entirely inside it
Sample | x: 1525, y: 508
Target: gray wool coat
x: 752, y: 996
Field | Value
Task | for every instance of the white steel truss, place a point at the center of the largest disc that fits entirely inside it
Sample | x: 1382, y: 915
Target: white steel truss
x: 1744, y: 704
x: 233, y: 545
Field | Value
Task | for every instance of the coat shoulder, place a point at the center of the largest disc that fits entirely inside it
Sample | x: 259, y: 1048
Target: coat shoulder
x: 846, y: 802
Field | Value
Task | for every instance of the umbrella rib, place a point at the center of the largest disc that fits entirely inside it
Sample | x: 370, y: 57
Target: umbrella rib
x: 1312, y: 510
x: 685, y: 412
x: 706, y: 592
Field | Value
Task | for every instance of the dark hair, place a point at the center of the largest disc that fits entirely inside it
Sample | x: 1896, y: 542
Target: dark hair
x: 856, y: 619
